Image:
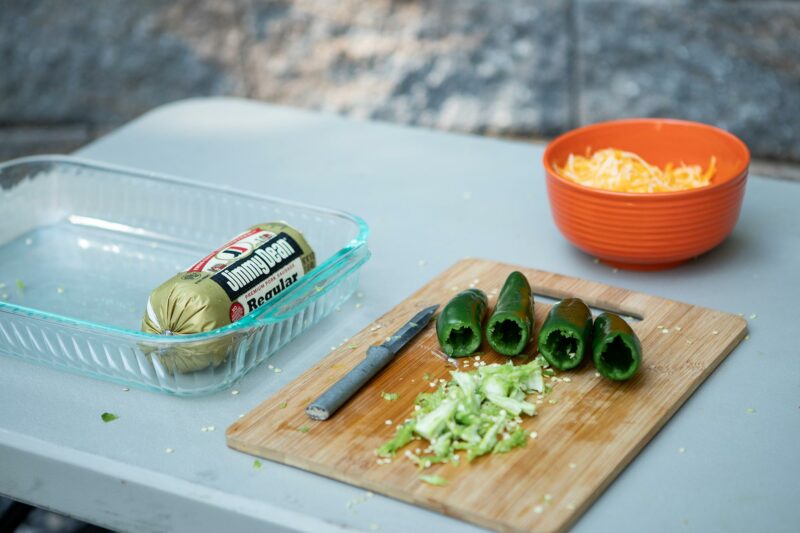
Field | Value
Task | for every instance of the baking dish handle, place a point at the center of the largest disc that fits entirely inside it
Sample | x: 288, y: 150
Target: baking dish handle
x: 312, y: 287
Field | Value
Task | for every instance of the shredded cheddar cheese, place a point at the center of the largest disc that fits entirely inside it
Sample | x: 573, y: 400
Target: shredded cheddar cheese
x: 618, y: 170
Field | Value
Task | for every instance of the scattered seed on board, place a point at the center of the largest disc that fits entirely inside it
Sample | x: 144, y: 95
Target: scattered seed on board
x: 534, y: 434
x: 715, y: 332
x: 234, y: 392
x: 125, y: 389
x: 681, y: 450
x: 750, y: 410
x: 277, y: 370
x: 169, y: 450
x: 538, y: 509
x: 752, y: 316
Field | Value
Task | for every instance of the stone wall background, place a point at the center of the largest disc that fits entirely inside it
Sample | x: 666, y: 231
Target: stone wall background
x: 73, y: 69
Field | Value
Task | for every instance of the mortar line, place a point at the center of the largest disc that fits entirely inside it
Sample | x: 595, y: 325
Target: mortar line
x: 250, y: 86
x: 573, y: 60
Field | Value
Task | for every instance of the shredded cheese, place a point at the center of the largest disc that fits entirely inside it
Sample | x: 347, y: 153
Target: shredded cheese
x: 618, y: 170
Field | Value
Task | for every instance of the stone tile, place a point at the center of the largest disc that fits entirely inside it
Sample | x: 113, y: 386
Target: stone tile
x: 22, y: 141
x: 469, y: 65
x: 106, y: 61
x: 733, y: 64
x: 517, y: 68
x: 776, y: 170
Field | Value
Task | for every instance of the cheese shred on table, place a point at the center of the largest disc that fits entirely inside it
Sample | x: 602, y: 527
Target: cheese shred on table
x: 618, y: 170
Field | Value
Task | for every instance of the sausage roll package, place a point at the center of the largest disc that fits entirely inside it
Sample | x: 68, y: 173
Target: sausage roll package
x: 231, y: 282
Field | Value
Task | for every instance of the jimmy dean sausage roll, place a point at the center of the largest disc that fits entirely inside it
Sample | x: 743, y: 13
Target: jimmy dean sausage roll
x: 227, y: 284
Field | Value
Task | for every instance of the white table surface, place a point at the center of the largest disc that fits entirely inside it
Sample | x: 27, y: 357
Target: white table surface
x: 739, y: 470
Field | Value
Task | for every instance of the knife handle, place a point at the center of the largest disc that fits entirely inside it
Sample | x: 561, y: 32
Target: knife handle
x: 329, y: 401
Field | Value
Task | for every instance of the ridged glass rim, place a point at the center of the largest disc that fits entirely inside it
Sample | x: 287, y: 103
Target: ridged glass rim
x: 319, y: 273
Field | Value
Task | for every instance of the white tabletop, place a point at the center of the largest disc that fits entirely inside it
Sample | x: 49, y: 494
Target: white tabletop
x: 430, y: 198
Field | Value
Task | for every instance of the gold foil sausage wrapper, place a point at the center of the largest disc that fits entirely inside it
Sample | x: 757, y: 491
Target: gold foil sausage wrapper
x: 229, y: 283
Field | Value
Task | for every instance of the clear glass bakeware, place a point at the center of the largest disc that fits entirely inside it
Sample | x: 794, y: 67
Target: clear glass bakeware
x: 83, y: 244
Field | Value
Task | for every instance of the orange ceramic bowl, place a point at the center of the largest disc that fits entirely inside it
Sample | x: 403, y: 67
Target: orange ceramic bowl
x: 649, y: 230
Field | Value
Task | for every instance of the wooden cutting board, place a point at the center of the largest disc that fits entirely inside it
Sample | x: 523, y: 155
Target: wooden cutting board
x: 588, y: 428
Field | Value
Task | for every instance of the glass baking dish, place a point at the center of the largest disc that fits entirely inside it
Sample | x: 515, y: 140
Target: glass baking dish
x: 83, y: 244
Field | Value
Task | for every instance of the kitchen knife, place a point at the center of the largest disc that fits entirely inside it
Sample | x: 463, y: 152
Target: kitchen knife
x: 377, y: 357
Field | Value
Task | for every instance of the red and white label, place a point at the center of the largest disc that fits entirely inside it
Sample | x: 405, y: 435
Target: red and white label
x: 237, y: 311
x: 240, y: 245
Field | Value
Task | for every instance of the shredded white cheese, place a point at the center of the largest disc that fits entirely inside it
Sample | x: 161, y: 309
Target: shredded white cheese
x: 619, y: 170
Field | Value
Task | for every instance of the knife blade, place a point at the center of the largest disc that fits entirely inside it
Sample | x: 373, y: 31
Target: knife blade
x: 377, y: 357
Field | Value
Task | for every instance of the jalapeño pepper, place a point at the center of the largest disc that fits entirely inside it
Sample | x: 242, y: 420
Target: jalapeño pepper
x: 616, y: 349
x: 459, y: 324
x: 510, y: 326
x: 566, y: 334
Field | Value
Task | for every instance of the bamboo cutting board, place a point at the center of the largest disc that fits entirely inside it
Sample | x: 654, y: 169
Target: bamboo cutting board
x: 588, y: 428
